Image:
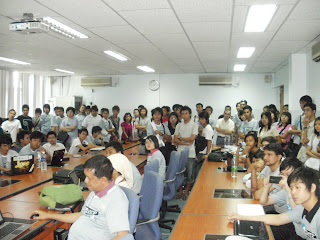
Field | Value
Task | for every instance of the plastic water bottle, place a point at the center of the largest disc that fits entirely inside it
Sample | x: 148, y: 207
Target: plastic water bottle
x: 234, y: 167
x: 38, y: 154
x: 43, y: 162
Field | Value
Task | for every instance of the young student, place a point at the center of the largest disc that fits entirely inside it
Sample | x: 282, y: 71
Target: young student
x: 25, y: 119
x: 88, y: 111
x: 165, y: 113
x: 92, y: 120
x: 251, y: 150
x: 96, y: 138
x: 57, y: 120
x: 274, y: 118
x: 266, y: 129
x: 212, y: 122
x: 184, y: 136
x: 142, y: 122
x: 80, y: 142
x: 70, y: 125
x: 12, y: 125
x: 285, y: 108
x: 225, y: 127
x: 266, y: 108
x: 105, y: 211
x: 52, y: 145
x: 173, y: 122
x: 308, y: 129
x: 177, y: 109
x: 36, y: 138
x: 126, y: 126
x: 107, y: 128
x: 250, y: 124
x: 136, y: 115
x: 304, y: 185
x: 23, y: 139
x: 152, y: 145
x: 36, y: 120
x: 81, y: 115
x: 236, y: 119
x: 243, y: 103
x: 284, y: 128
x: 6, y: 153
x: 115, y: 147
x: 115, y: 120
x: 313, y: 160
x: 46, y: 119
x: 199, y: 108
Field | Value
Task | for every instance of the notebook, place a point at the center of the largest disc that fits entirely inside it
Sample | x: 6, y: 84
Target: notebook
x: 57, y: 158
x: 250, y: 229
x: 22, y: 165
x: 10, y: 230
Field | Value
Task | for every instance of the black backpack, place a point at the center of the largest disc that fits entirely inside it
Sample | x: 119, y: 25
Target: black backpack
x: 200, y: 143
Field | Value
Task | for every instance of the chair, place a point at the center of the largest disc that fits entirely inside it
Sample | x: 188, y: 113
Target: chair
x: 63, y: 137
x: 17, y: 149
x: 152, y: 166
x: 169, y: 189
x: 151, y: 194
x: 133, y: 207
x: 128, y: 236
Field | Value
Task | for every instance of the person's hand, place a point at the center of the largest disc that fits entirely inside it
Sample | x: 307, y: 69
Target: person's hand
x: 305, y: 122
x: 266, y: 183
x: 41, y: 149
x: 204, y: 157
x: 233, y: 217
x: 284, y: 184
x: 42, y: 215
x: 157, y: 132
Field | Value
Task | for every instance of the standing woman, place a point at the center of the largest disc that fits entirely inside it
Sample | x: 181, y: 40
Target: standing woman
x: 126, y: 128
x: 314, y: 156
x: 266, y: 129
x: 274, y: 118
x: 283, y: 129
x: 165, y: 114
x: 115, y: 121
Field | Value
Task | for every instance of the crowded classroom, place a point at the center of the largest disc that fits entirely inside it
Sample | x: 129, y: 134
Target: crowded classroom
x: 159, y: 119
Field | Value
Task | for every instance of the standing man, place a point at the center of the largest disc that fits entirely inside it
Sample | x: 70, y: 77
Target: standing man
x: 46, y: 120
x: 92, y: 120
x: 225, y: 127
x: 199, y: 108
x: 12, y: 125
x: 81, y: 115
x: 250, y: 124
x: 25, y: 119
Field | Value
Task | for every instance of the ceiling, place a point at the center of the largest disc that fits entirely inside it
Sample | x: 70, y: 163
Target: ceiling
x: 171, y: 36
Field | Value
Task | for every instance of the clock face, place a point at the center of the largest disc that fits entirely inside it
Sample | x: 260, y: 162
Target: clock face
x: 154, y: 85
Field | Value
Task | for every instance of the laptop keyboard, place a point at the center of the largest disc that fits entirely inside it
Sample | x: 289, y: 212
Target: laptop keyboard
x: 9, y: 228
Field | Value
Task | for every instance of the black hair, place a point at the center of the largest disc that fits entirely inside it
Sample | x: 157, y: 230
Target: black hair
x: 306, y: 99
x: 144, y: 109
x: 38, y: 110
x: 227, y: 106
x: 274, y: 114
x: 199, y: 104
x: 241, y: 112
x: 252, y: 134
x: 5, y: 139
x: 267, y: 115
x: 169, y: 123
x: 286, y: 105
x: 83, y: 130
x: 136, y: 109
x: 21, y: 135
x: 204, y: 115
x: 306, y: 175
x: 105, y: 110
x: 312, y: 106
x: 269, y: 139
x: 88, y: 107
x: 100, y: 165
x: 248, y: 107
x: 238, y: 103
x: 266, y: 106
x: 25, y: 106
x: 244, y: 101
x: 209, y: 107
x: 72, y: 109
x: 116, y: 108
x: 94, y: 108
x: 272, y: 107
x: 46, y: 106
x: 315, y: 132
x: 55, y: 108
x: 290, y: 162
x: 167, y: 108
x: 51, y: 133
x: 140, y: 106
x: 155, y: 110
x: 289, y: 118
x: 153, y: 139
x: 260, y: 154
x: 274, y: 147
x: 116, y: 145
x: 61, y: 108
x: 127, y: 114
x: 176, y: 106
x: 12, y: 110
x: 186, y: 108
x: 1, y: 121
x: 96, y: 129
x: 37, y: 135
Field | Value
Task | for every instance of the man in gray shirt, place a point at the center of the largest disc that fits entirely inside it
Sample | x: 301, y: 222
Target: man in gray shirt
x: 36, y: 139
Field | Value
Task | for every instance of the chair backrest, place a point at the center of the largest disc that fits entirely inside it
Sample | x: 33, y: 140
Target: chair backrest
x: 133, y: 207
x: 169, y: 190
x: 184, y: 154
x: 152, y: 166
x: 63, y: 137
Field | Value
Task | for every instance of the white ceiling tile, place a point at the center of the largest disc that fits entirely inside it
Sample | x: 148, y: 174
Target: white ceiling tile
x: 209, y: 51
x: 192, y: 69
x: 280, y: 16
x: 306, y: 9
x: 129, y: 5
x: 278, y: 2
x: 203, y: 10
x: 142, y: 50
x: 208, y: 31
x: 239, y: 18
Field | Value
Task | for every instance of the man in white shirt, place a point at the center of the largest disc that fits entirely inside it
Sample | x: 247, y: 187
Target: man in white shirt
x: 6, y: 153
x: 225, y: 127
x: 81, y: 116
x: 92, y: 120
x: 199, y: 108
x: 12, y: 125
x: 52, y: 145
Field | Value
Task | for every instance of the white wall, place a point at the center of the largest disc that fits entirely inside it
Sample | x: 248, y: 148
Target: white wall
x: 281, y: 78
x: 313, y: 80
x: 133, y: 90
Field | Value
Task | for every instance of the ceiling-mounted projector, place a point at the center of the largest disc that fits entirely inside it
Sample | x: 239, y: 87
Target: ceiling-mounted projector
x: 29, y: 25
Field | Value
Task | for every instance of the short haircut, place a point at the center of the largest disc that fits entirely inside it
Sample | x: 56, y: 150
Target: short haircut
x: 36, y: 135
x: 116, y: 108
x: 100, y: 165
x: 311, y: 105
x: 157, y: 110
x: 248, y: 107
x: 252, y: 134
x: 238, y: 103
x: 46, y: 106
x: 272, y: 107
x: 51, y: 133
x: 105, y: 110
x: 315, y: 131
x: 306, y: 99
x: 307, y: 176
x: 154, y: 139
x: 5, y: 139
x: 94, y: 108
x: 204, y: 115
x: 186, y: 108
x: 55, y: 108
x: 96, y: 129
x: 286, y: 105
x: 266, y: 106
x: 209, y: 107
x: 88, y: 107
x: 83, y: 130
x: 38, y: 110
x: 290, y: 162
x: 25, y: 106
x: 288, y: 115
x: 21, y: 134
x: 144, y: 109
x: 274, y: 147
x: 260, y: 154
x: 116, y: 145
x: 228, y: 106
x: 72, y: 109
x: 245, y: 101
x: 127, y: 114
x: 176, y: 106
x: 167, y: 108
x: 11, y: 110
x: 269, y: 139
x: 241, y: 112
x: 140, y: 106
x: 199, y: 104
x: 61, y: 108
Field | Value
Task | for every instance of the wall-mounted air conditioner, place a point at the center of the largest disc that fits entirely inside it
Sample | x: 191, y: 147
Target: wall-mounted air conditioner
x: 96, y: 82
x: 316, y: 52
x: 215, y: 80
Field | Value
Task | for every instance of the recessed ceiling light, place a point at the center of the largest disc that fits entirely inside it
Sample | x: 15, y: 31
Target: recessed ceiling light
x: 146, y: 68
x: 116, y: 55
x: 259, y: 17
x: 14, y: 61
x: 245, y: 52
x: 64, y: 71
x: 239, y: 67
x: 63, y: 29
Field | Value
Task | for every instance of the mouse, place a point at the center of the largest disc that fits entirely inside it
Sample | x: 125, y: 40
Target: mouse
x: 34, y: 215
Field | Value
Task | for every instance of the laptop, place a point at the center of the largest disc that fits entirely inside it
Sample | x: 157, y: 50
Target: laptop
x: 57, y: 158
x: 76, y: 180
x: 12, y: 229
x: 250, y: 229
x: 21, y: 165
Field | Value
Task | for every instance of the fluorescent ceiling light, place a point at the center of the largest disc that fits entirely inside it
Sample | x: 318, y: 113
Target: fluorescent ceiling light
x: 146, y: 68
x: 239, y: 67
x: 63, y: 29
x: 245, y: 52
x: 14, y: 61
x: 259, y: 17
x: 64, y: 71
x: 116, y: 55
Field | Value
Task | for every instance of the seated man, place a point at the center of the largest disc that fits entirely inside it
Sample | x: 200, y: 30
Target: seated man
x: 23, y: 138
x: 6, y: 153
x: 105, y: 211
x: 52, y: 145
x: 80, y: 142
x: 96, y: 138
x: 114, y: 147
x: 305, y: 191
x: 36, y: 139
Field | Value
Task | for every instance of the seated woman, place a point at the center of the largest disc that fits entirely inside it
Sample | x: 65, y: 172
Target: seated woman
x: 152, y: 145
x: 251, y: 150
x: 314, y: 156
x: 284, y: 128
x: 126, y: 128
x: 266, y: 129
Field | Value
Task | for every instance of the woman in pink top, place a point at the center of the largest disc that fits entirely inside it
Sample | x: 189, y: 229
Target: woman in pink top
x: 283, y: 129
x: 126, y: 127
